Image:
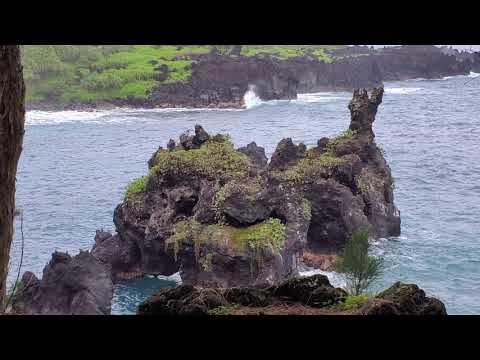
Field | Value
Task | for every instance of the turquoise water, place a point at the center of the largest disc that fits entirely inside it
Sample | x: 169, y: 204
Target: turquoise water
x: 75, y: 166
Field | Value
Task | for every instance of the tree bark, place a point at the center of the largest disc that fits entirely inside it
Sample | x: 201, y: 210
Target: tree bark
x: 12, y: 122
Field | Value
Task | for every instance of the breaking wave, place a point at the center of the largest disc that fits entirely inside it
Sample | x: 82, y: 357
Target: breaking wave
x: 336, y: 279
x: 251, y: 98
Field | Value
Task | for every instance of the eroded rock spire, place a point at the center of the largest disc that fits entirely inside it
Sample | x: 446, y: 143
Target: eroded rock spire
x: 364, y: 109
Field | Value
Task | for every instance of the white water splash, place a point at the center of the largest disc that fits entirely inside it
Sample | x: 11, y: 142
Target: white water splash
x: 251, y: 99
x: 473, y: 74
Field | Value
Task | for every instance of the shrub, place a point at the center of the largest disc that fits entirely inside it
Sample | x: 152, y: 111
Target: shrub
x: 360, y: 269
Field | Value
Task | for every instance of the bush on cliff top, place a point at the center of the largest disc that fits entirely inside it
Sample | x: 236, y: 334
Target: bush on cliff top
x: 214, y: 158
x: 315, y: 163
x: 310, y: 167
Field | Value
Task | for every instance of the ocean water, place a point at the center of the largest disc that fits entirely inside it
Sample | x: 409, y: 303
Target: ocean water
x: 75, y: 167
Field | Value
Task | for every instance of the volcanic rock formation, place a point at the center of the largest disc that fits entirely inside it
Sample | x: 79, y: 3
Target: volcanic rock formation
x: 77, y: 285
x: 224, y: 217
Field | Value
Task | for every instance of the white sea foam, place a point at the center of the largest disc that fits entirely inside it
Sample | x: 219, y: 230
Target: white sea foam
x: 473, y: 74
x: 336, y: 279
x: 35, y: 117
x: 401, y: 90
x: 321, y: 97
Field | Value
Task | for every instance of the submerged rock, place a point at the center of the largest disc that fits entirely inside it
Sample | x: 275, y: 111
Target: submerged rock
x: 224, y: 217
x: 77, y: 285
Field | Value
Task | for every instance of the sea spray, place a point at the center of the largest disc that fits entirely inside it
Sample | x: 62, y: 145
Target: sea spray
x: 251, y: 98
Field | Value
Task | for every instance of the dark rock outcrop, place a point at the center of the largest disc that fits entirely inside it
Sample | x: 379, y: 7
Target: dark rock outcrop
x: 315, y: 291
x: 403, y: 299
x: 256, y: 154
x: 223, y: 80
x: 225, y: 218
x: 314, y: 294
x: 77, y: 285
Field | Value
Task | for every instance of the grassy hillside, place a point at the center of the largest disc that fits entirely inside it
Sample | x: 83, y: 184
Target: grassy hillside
x: 84, y: 73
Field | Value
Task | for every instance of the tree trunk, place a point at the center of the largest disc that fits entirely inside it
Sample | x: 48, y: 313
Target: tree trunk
x: 12, y: 120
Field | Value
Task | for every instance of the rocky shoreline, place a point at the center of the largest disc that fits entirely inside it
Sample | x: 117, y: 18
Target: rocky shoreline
x: 219, y: 81
x: 301, y: 296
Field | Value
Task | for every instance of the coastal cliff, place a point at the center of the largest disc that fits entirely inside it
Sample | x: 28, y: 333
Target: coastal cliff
x: 206, y: 77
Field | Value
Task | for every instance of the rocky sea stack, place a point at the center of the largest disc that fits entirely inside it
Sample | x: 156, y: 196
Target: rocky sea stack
x: 226, y: 217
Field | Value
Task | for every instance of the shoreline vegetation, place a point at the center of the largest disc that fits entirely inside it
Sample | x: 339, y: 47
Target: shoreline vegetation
x: 75, y: 74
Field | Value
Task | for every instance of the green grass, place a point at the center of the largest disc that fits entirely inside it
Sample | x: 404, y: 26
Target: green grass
x: 89, y: 73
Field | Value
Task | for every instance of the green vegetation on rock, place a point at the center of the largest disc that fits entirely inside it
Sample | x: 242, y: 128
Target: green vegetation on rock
x: 268, y: 233
x: 315, y: 162
x: 248, y: 189
x: 215, y: 158
x: 289, y: 51
x: 136, y: 187
x: 307, y: 209
x: 333, y: 143
x: 309, y: 167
